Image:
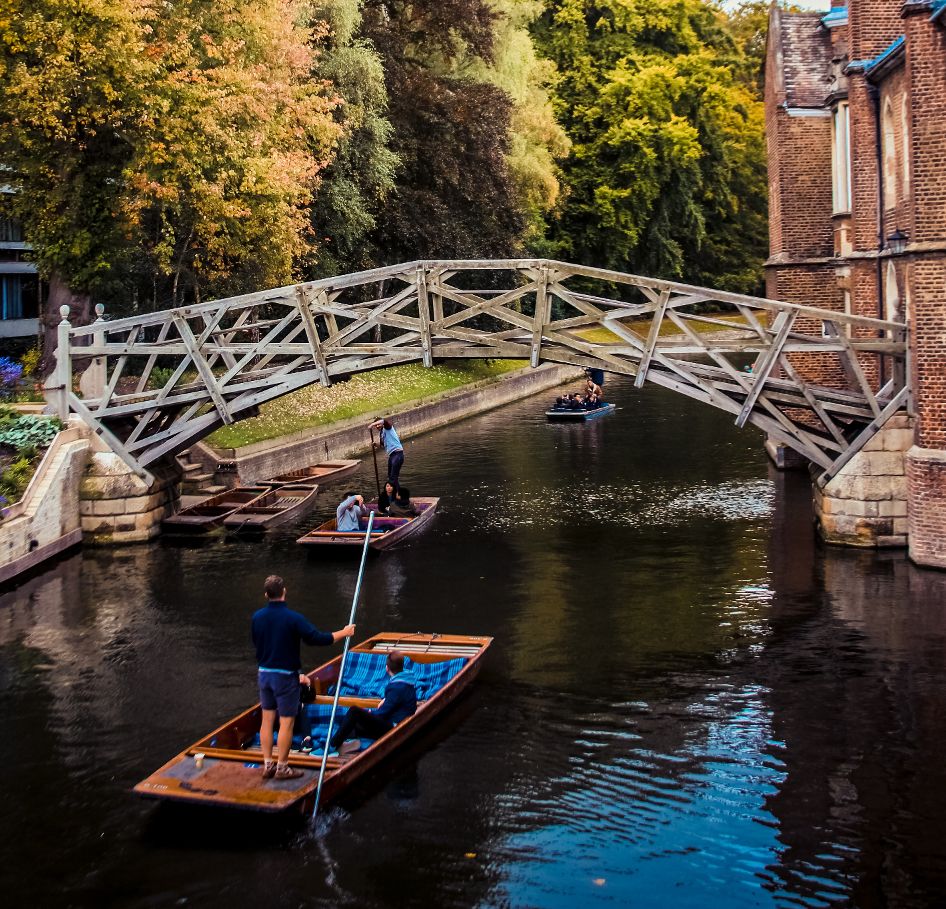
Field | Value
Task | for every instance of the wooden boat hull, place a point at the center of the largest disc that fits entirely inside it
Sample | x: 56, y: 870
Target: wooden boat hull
x: 578, y: 416
x: 229, y: 775
x: 387, y: 532
x: 323, y: 473
x: 279, y: 505
x: 211, y: 513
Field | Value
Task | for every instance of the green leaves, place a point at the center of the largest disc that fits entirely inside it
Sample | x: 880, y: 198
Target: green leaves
x: 667, y: 169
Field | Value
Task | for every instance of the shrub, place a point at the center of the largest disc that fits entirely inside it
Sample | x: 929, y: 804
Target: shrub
x: 10, y: 374
x: 16, y: 478
x: 30, y: 361
x: 28, y: 432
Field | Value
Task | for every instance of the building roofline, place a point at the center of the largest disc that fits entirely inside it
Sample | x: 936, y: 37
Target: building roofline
x: 835, y: 17
x: 877, y: 67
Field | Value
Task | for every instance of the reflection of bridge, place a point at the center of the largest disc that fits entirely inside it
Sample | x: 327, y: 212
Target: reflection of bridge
x: 166, y: 379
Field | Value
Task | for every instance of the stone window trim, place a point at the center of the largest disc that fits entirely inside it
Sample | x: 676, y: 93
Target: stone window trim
x: 841, y: 158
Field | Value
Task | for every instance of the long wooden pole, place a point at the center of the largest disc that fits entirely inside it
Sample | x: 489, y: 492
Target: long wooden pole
x: 374, y: 452
x: 341, y: 668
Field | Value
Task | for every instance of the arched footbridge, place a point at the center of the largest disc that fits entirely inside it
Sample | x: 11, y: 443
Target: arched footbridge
x: 161, y: 381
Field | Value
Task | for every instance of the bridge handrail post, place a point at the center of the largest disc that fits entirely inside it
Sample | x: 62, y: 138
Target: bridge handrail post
x: 63, y: 372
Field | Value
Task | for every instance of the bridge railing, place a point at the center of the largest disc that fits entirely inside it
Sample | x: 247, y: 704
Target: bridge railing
x: 820, y: 381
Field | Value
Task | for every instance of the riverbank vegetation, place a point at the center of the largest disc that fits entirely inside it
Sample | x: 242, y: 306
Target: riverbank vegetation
x: 23, y: 438
x: 364, y: 393
x: 167, y: 154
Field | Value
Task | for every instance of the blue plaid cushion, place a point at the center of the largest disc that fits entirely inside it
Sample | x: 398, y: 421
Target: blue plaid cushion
x: 319, y: 715
x: 366, y: 676
x: 431, y: 677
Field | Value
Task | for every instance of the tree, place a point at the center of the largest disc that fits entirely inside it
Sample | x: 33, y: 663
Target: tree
x: 161, y: 152
x: 454, y: 195
x: 666, y: 174
x: 361, y: 175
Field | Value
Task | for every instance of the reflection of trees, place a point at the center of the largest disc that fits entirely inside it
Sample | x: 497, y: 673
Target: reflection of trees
x: 855, y: 667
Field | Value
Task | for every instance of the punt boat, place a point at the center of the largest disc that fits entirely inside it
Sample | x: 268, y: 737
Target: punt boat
x: 385, y: 532
x: 324, y: 473
x: 210, y: 513
x: 578, y: 415
x: 225, y: 767
x: 278, y: 505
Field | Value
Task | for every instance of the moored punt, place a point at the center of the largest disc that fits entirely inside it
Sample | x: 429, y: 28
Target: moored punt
x: 280, y: 504
x: 323, y: 473
x: 210, y: 513
x: 386, y: 531
x: 225, y: 768
x: 578, y: 414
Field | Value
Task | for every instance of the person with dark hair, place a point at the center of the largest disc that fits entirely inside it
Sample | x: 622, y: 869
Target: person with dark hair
x: 392, y: 445
x: 350, y: 512
x: 277, y: 633
x: 387, y: 498
x: 400, y: 702
x: 403, y: 508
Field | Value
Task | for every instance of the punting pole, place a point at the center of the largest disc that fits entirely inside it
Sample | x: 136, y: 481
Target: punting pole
x: 341, y: 668
x: 374, y: 452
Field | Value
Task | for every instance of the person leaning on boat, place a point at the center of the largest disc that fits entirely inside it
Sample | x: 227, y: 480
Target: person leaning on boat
x: 350, y: 512
x: 277, y: 633
x: 400, y: 702
x: 392, y: 445
x: 387, y: 498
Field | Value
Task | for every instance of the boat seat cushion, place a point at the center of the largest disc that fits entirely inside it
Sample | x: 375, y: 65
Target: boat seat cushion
x: 319, y: 716
x: 366, y: 675
x: 431, y: 677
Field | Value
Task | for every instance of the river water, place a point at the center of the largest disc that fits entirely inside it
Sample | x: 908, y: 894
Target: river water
x: 689, y: 702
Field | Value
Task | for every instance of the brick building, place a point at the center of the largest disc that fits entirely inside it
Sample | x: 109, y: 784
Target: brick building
x: 856, y: 120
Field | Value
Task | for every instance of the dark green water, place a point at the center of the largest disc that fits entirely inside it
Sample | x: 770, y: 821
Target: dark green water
x: 689, y: 702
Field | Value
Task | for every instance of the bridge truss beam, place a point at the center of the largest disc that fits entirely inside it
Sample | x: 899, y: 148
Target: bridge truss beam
x: 167, y: 379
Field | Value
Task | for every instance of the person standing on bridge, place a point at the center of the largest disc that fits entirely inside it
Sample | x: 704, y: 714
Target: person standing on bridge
x: 392, y: 445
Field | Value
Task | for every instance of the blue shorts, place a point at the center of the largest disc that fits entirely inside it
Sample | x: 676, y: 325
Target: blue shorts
x: 279, y: 691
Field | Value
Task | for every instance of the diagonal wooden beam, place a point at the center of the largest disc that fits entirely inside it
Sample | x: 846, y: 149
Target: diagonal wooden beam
x: 652, y: 337
x: 205, y: 372
x: 312, y: 333
x: 760, y: 374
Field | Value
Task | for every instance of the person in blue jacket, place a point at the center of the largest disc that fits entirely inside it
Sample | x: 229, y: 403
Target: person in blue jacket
x: 400, y: 702
x: 392, y: 445
x: 277, y: 633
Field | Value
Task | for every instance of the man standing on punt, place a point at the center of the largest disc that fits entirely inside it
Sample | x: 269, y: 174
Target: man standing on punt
x: 277, y: 634
x: 392, y: 445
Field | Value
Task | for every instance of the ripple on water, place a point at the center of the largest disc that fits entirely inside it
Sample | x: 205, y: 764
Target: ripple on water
x: 626, y: 505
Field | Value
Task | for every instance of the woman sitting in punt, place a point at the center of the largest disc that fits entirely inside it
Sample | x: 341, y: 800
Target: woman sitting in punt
x: 403, y: 508
x: 387, y: 498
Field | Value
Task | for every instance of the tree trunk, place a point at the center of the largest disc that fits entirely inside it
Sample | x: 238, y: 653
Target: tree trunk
x: 80, y: 305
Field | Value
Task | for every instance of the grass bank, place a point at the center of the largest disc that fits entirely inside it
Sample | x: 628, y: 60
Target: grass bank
x: 365, y: 393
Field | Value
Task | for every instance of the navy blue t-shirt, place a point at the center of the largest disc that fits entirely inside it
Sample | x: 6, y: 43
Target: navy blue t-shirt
x: 277, y: 633
x: 400, y: 699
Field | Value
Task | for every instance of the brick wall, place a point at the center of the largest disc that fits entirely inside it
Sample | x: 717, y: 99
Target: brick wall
x: 873, y: 25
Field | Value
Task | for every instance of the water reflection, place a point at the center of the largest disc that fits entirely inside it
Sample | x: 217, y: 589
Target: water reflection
x: 689, y: 701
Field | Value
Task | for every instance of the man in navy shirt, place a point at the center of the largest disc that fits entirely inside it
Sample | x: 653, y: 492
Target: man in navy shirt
x: 400, y: 702
x: 277, y: 633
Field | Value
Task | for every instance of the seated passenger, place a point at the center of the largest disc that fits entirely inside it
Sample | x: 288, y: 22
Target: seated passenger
x: 349, y: 512
x: 400, y: 702
x: 403, y: 508
x: 387, y: 497
x: 592, y: 390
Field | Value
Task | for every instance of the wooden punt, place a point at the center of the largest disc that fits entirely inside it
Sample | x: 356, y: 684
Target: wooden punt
x: 386, y: 531
x: 579, y: 415
x: 323, y: 473
x: 210, y: 513
x: 229, y: 773
x: 280, y: 504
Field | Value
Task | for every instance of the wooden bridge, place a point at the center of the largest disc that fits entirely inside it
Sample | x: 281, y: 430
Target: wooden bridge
x: 160, y: 381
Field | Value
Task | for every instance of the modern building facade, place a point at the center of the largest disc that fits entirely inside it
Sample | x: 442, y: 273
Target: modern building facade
x: 20, y: 287
x: 856, y: 121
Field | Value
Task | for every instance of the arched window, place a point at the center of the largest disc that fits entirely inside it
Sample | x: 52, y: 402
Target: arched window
x: 905, y: 139
x: 890, y: 156
x: 892, y: 293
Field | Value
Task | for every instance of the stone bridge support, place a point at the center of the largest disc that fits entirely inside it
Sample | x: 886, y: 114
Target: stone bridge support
x: 866, y: 503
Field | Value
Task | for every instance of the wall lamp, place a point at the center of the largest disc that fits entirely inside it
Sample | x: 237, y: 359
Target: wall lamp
x: 897, y: 242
